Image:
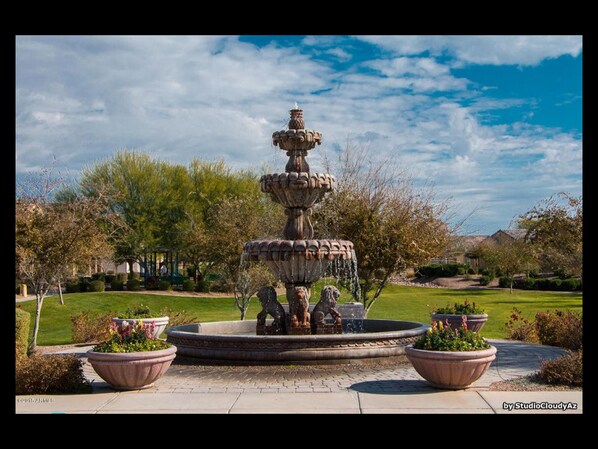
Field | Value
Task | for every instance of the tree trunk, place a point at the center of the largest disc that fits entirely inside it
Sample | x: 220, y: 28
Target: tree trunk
x: 131, y: 262
x: 60, y: 292
x: 243, y: 312
x: 511, y: 287
x: 39, y: 299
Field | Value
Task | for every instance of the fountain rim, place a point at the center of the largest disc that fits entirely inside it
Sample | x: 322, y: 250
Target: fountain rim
x: 415, y: 331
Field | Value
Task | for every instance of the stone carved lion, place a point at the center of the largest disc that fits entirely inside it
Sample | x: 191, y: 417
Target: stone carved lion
x: 299, y: 307
x: 326, y: 305
x: 270, y: 306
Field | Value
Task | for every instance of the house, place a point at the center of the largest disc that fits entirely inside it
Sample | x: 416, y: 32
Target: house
x: 458, y: 251
x: 503, y: 236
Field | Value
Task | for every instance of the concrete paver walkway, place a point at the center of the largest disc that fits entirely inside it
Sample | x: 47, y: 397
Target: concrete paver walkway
x: 378, y: 388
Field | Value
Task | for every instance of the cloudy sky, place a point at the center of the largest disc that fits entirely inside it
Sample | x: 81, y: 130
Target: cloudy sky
x: 495, y: 122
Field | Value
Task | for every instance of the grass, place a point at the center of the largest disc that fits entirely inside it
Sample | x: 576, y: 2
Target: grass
x: 395, y: 302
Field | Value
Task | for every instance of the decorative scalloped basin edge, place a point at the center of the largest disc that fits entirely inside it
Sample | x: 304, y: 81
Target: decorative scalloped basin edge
x: 451, y: 370
x: 131, y: 370
x: 475, y: 323
x: 235, y: 341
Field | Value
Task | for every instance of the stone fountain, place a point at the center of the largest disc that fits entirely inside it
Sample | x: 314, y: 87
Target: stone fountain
x: 299, y: 259
x: 300, y: 333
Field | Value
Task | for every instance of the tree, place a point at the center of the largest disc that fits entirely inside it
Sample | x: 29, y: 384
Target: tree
x: 237, y: 220
x: 52, y: 236
x: 392, y: 225
x: 510, y: 258
x: 555, y: 228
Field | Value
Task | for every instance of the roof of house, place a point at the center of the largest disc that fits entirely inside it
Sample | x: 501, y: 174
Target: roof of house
x: 515, y: 234
x: 468, y: 242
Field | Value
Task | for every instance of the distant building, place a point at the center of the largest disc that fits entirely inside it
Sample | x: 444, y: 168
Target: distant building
x: 503, y: 236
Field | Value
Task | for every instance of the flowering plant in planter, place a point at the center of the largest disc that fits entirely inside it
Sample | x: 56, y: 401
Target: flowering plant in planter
x: 476, y: 318
x: 132, y: 358
x: 464, y: 308
x: 131, y: 337
x: 140, y: 312
x: 451, y: 358
x: 442, y: 337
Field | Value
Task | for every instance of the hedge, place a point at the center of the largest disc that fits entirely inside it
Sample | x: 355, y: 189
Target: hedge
x: 22, y: 323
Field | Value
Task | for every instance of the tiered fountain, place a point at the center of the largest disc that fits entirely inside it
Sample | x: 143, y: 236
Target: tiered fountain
x: 299, y: 333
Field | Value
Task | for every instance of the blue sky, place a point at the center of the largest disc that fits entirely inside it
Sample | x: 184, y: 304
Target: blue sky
x: 494, y: 122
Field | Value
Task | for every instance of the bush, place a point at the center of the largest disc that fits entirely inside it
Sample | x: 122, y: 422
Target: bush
x: 123, y: 277
x: 97, y: 286
x: 22, y: 324
x: 117, y: 286
x: 91, y: 327
x: 504, y: 282
x: 137, y: 311
x: 488, y: 272
x: 203, y: 286
x: 558, y: 328
x: 520, y: 328
x: 84, y: 285
x: 134, y: 275
x: 110, y: 278
x: 485, y: 280
x: 188, y: 285
x: 73, y: 287
x: 191, y: 271
x: 164, y: 285
x: 464, y: 308
x: 133, y: 285
x: 50, y: 374
x: 565, y: 370
x: 442, y: 338
x: 98, y: 277
x: 570, y: 285
x: 443, y: 270
x: 470, y: 271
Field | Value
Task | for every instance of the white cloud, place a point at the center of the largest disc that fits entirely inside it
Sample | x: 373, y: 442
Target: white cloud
x: 495, y: 50
x: 82, y: 98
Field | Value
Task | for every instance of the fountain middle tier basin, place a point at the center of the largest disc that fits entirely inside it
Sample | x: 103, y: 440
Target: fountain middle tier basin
x: 297, y: 189
x: 236, y: 342
x: 298, y: 261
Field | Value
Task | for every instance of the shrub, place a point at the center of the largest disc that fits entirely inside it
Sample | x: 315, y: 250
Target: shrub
x: 110, y: 278
x: 203, y: 286
x: 73, y: 287
x: 470, y: 271
x: 558, y: 328
x: 177, y: 318
x: 164, y: 285
x: 569, y: 285
x: 123, y: 277
x: 461, y: 271
x: 504, y: 282
x: 441, y: 337
x: 191, y: 271
x: 520, y: 328
x: 84, y: 285
x: 137, y: 311
x: 97, y: 286
x: 91, y: 327
x: 188, y: 285
x: 134, y: 275
x: 133, y: 285
x: 50, y: 374
x: 565, y: 370
x: 485, y: 280
x: 98, y: 277
x: 488, y: 272
x: 22, y: 323
x: 116, y: 285
x: 443, y: 270
x: 527, y: 284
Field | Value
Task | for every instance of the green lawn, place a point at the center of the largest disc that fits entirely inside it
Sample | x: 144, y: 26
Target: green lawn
x: 396, y: 302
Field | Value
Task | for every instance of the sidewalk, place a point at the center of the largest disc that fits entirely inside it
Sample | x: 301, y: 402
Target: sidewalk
x: 384, y: 388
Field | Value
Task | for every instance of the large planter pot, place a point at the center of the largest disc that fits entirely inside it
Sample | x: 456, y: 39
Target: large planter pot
x: 131, y: 370
x: 450, y: 370
x: 475, y: 323
x: 159, y: 322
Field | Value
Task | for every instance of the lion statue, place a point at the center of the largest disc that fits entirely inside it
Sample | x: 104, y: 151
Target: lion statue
x: 299, y: 307
x: 326, y: 305
x: 270, y: 306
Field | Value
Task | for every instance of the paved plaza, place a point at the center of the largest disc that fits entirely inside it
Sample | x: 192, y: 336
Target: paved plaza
x: 370, y: 388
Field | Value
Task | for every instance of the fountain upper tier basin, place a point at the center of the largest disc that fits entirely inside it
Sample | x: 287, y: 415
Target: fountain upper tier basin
x: 235, y: 342
x: 297, y: 189
x: 298, y: 261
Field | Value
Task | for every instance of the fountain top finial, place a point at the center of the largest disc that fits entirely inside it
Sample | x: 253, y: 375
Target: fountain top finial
x: 296, y: 121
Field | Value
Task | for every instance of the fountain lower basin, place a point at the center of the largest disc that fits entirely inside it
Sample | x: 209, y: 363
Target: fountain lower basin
x: 235, y: 342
